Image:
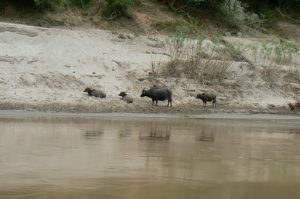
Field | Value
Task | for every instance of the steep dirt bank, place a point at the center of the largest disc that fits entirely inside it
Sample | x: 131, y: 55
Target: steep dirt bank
x: 48, y: 69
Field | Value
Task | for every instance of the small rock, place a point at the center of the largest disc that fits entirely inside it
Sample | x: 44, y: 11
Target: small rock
x: 122, y: 36
x: 152, y: 39
x: 227, y: 34
x: 271, y: 106
x: 130, y: 36
x: 239, y: 34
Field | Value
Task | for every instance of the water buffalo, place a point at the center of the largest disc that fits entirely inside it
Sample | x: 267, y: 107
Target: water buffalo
x: 207, y: 98
x: 95, y: 93
x: 126, y: 98
x: 294, y: 106
x: 158, y: 94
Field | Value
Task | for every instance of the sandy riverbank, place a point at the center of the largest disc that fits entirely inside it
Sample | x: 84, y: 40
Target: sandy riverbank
x: 47, y: 69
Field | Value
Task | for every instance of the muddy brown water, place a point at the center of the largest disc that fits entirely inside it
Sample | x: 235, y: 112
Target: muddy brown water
x: 133, y: 158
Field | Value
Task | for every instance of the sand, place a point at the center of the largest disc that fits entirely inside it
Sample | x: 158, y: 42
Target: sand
x: 47, y: 69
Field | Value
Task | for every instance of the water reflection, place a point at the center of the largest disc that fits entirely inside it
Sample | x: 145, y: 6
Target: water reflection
x: 148, y: 158
x: 91, y: 134
x: 206, y: 135
x: 125, y: 133
x: 155, y: 132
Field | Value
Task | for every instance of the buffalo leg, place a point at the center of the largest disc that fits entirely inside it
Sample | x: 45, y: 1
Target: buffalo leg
x: 170, y: 102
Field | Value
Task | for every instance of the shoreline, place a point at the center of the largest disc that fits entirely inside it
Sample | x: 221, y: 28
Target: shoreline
x: 123, y: 115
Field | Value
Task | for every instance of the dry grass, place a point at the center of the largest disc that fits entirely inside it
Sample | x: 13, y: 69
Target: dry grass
x: 189, y: 60
x: 270, y: 73
x: 214, y: 71
x: 292, y: 75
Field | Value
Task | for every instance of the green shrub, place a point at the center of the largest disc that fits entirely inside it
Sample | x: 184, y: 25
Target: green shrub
x: 269, y: 16
x: 117, y: 8
x: 234, y: 11
x: 80, y: 3
x: 77, y: 3
x: 185, y: 3
x: 41, y: 2
x: 18, y: 3
x: 237, y: 16
x: 173, y: 26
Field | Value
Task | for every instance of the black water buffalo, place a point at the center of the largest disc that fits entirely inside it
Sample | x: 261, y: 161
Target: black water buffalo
x: 126, y: 97
x: 158, y: 94
x: 207, y: 98
x: 95, y: 93
x: 294, y: 106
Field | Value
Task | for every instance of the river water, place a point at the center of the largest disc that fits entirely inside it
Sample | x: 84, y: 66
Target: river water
x: 133, y: 158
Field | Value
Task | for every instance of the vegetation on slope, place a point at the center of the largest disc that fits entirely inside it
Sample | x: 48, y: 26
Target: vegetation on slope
x: 235, y: 12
